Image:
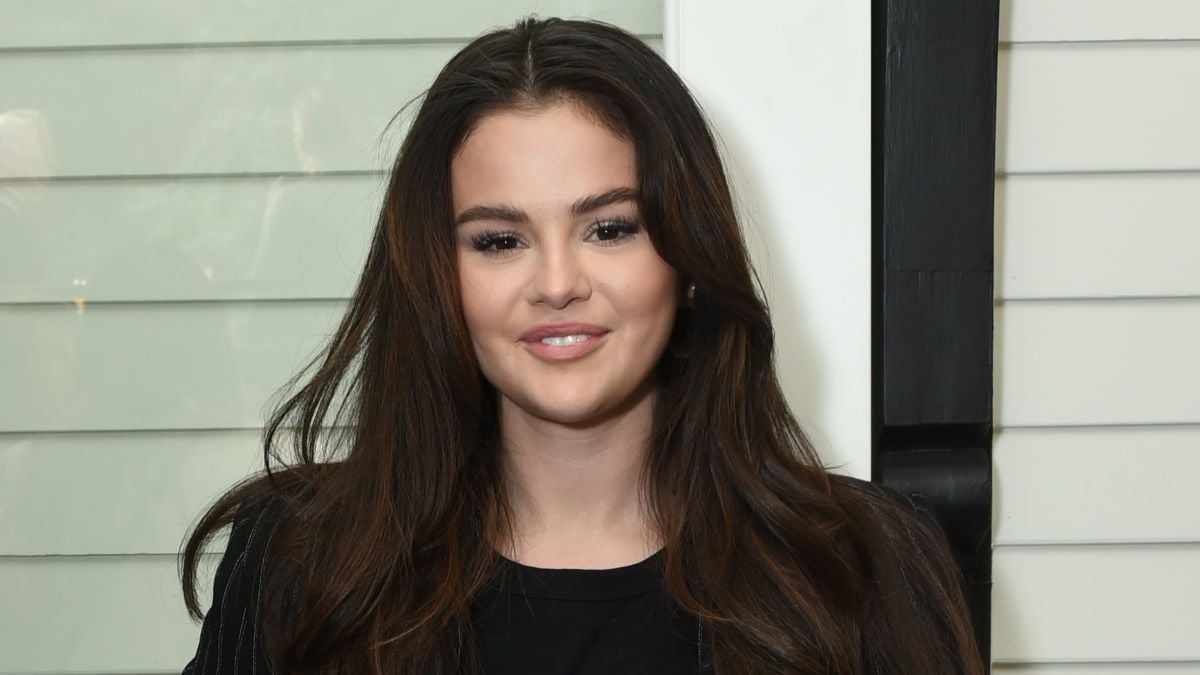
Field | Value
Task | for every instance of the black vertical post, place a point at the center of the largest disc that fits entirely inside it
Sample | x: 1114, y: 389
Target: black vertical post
x: 934, y: 136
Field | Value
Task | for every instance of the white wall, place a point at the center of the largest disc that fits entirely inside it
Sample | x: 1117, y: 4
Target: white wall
x: 788, y: 88
x: 1097, y: 520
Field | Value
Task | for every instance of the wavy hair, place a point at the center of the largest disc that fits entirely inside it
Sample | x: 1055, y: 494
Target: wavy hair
x: 383, y: 465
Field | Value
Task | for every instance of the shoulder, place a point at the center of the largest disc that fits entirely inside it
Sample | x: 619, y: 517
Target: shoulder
x: 250, y: 536
x: 898, y: 531
x: 245, y: 556
x: 884, y: 506
x: 916, y: 618
x: 231, y: 634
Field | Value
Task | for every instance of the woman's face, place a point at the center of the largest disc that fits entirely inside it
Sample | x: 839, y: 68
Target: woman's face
x: 567, y: 302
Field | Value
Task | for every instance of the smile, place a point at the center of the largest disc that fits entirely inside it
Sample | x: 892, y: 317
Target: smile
x: 565, y: 347
x: 563, y: 340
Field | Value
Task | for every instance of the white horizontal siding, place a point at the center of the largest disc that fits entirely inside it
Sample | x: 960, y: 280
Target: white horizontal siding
x: 1096, y: 524
x: 1097, y: 235
x: 1070, y: 20
x: 137, y: 366
x: 1096, y: 603
x: 1137, y: 668
x: 1098, y: 107
x: 67, y: 23
x: 1097, y: 362
x: 1096, y: 484
x: 96, y: 614
x: 225, y: 238
x: 114, y: 493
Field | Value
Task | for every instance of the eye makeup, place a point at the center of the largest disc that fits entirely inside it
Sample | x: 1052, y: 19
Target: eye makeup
x: 612, y: 231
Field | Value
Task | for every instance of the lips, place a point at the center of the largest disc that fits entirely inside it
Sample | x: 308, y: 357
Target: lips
x: 562, y: 330
x: 532, y: 340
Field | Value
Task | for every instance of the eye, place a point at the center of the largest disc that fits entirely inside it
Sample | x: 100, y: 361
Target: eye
x: 495, y: 243
x: 613, y: 231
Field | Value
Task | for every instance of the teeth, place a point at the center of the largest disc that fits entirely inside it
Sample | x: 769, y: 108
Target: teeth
x: 564, y: 340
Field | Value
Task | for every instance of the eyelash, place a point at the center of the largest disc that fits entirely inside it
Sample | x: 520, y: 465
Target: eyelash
x: 624, y: 228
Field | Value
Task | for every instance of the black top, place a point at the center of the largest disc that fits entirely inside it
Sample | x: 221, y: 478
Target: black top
x: 528, y: 619
x: 534, y: 620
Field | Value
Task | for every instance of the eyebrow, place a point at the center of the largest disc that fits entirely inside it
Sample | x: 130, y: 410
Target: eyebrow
x: 513, y: 214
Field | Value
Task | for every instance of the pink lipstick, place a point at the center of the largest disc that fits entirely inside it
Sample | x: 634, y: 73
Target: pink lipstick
x: 564, y: 341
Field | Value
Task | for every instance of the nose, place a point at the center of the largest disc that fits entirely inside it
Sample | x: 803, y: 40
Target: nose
x: 560, y: 277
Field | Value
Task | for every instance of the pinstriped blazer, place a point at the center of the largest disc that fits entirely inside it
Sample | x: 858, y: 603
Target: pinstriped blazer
x: 231, y: 637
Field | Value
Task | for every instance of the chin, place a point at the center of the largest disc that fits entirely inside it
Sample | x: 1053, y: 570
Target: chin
x: 576, y: 402
x: 568, y: 414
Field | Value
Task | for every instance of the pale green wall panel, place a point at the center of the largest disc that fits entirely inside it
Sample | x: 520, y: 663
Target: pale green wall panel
x: 228, y: 110
x: 204, y: 111
x: 147, y: 366
x: 114, y: 493
x: 59, y: 23
x: 96, y: 614
x: 196, y: 183
x: 181, y: 239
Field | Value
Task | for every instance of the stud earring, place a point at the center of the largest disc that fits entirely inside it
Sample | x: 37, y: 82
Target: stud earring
x: 691, y: 293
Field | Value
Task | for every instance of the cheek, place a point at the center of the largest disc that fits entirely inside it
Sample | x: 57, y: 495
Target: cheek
x: 475, y: 303
x: 484, y: 304
x: 651, y: 295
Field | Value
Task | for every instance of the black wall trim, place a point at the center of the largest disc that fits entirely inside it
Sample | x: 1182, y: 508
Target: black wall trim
x: 933, y: 173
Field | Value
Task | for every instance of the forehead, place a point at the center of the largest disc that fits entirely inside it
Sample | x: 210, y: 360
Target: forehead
x: 551, y: 157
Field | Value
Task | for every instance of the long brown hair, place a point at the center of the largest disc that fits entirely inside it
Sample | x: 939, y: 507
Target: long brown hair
x: 383, y: 467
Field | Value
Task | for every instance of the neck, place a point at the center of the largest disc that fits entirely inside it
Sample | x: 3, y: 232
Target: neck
x: 575, y: 491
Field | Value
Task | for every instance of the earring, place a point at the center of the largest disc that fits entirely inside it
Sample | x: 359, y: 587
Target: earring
x: 674, y: 348
x: 678, y: 345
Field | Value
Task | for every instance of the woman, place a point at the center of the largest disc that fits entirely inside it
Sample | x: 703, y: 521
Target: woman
x: 560, y: 444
